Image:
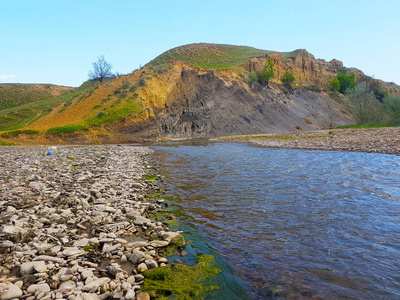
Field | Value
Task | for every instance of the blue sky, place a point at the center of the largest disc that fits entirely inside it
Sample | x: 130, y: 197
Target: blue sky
x: 56, y: 41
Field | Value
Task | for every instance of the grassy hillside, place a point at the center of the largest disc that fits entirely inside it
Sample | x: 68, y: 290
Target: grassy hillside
x: 212, y: 56
x: 35, y: 102
x: 12, y: 95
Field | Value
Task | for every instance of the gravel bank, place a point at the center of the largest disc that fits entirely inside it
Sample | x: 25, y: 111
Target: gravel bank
x: 374, y: 140
x: 74, y: 224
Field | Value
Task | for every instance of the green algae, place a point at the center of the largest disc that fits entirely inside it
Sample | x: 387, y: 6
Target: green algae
x: 182, y: 281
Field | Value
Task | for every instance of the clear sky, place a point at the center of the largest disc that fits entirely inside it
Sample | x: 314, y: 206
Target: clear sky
x: 56, y: 41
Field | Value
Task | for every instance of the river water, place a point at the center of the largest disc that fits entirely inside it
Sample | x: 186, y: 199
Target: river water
x: 291, y: 224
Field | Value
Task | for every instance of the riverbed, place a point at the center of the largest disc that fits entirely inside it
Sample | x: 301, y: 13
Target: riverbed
x: 292, y: 224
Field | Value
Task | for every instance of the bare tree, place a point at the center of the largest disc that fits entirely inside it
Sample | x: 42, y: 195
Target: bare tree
x: 101, y: 69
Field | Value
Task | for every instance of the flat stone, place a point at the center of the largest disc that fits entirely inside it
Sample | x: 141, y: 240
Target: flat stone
x: 82, y: 242
x: 27, y: 268
x: 95, y: 284
x: 10, y: 230
x: 72, y: 251
x: 139, y: 220
x: 86, y: 274
x: 87, y: 296
x: 40, y: 266
x: 38, y: 288
x: 159, y: 244
x: 69, y: 284
x: 11, y: 291
x: 49, y: 258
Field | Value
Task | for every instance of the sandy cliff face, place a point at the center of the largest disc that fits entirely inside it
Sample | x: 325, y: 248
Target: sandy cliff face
x: 306, y: 69
x: 187, y: 102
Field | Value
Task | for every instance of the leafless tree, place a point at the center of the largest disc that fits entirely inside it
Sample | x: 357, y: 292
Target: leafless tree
x: 101, y: 69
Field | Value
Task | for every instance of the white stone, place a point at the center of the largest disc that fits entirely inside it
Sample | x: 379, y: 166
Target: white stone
x: 38, y: 288
x: 72, y: 251
x: 69, y: 284
x: 95, y: 284
x: 27, y: 268
x: 11, y: 291
x: 86, y: 274
x: 151, y: 263
x: 40, y: 266
x: 142, y: 267
x: 82, y: 242
x: 130, y: 294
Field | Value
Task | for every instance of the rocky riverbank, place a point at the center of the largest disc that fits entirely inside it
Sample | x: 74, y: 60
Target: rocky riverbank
x: 373, y: 140
x: 75, y: 224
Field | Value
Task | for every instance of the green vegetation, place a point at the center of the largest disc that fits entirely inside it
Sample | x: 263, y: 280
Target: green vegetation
x: 267, y: 73
x: 367, y: 125
x: 12, y: 95
x: 212, y: 56
x: 120, y: 109
x: 288, y: 79
x: 67, y: 129
x: 15, y: 133
x: 392, y: 106
x: 343, y: 81
x: 2, y: 143
x: 16, y: 117
x: 182, y: 281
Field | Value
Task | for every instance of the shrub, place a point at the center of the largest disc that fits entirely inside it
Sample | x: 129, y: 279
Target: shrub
x: 288, y: 79
x: 253, y: 78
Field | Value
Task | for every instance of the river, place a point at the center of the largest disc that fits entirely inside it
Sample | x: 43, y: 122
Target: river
x: 290, y: 224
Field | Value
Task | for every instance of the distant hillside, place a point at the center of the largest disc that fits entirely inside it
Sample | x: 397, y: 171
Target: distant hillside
x: 12, y: 95
x: 212, y: 56
x: 197, y: 90
x: 21, y: 104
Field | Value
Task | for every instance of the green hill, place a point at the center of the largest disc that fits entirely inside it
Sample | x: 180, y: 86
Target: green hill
x: 15, y: 94
x: 212, y: 56
x: 21, y: 104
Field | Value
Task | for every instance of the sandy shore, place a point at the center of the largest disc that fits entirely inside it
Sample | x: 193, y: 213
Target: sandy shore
x: 373, y: 140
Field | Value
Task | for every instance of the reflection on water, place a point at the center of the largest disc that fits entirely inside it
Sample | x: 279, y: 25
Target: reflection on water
x: 294, y: 224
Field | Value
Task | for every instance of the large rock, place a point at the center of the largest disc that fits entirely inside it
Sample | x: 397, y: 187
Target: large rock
x: 136, y: 256
x: 38, y: 288
x: 173, y: 238
x: 27, y: 268
x: 11, y: 291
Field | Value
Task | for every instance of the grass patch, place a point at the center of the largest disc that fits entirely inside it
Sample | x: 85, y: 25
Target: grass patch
x: 12, y: 118
x: 182, y: 281
x: 212, y: 56
x: 2, y: 143
x: 16, y: 94
x: 15, y: 133
x: 369, y: 125
x: 120, y: 109
x: 67, y: 129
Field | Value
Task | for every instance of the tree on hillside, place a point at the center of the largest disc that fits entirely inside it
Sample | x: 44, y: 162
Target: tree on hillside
x: 288, y: 79
x: 367, y: 108
x: 392, y: 105
x: 267, y: 73
x: 101, y: 69
x: 343, y: 81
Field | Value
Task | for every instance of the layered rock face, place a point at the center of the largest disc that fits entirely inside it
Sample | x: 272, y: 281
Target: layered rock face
x: 306, y: 69
x: 191, y: 102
